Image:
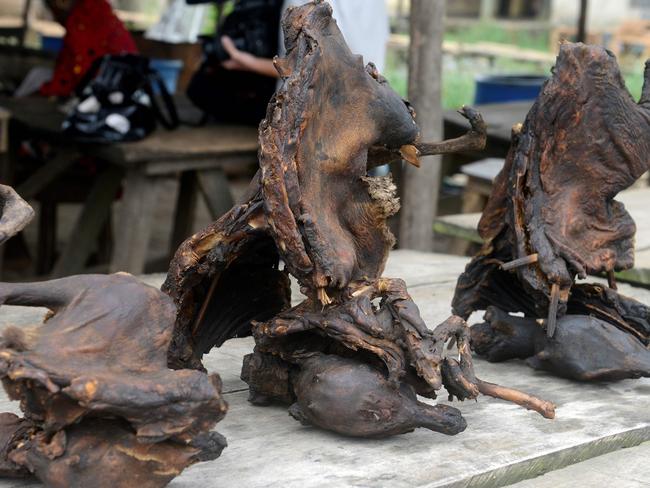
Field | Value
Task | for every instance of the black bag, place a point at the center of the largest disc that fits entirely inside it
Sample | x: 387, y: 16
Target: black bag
x: 119, y: 101
x: 238, y: 96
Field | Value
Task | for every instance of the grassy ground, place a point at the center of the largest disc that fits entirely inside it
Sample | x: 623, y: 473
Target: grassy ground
x: 459, y: 75
x: 486, y: 32
x: 458, y: 79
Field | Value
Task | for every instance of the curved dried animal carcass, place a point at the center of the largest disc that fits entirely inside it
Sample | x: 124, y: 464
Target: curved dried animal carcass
x: 101, y: 406
x: 313, y: 207
x: 552, y: 217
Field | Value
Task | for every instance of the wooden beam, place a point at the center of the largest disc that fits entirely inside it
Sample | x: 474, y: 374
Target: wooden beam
x: 25, y: 18
x: 83, y: 238
x: 488, y: 10
x: 582, y: 21
x: 420, y: 186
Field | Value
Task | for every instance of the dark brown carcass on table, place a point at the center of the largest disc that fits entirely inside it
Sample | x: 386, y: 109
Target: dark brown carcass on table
x: 101, y: 408
x: 552, y: 218
x: 353, y: 355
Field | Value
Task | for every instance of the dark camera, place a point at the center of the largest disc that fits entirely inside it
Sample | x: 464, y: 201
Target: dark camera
x: 253, y: 27
x: 213, y: 48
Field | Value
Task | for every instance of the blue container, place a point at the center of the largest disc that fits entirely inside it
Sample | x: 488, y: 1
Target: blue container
x: 51, y: 44
x: 507, y: 88
x: 169, y: 70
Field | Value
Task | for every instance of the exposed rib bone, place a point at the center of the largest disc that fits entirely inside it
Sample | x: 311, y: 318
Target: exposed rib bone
x: 520, y: 262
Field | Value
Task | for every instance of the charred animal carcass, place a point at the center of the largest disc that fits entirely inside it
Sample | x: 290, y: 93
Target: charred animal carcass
x: 552, y: 218
x: 353, y: 355
x: 101, y: 408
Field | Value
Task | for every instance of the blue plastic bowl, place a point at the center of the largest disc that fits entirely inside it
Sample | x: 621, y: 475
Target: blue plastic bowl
x: 507, y: 88
x: 169, y: 70
x: 51, y: 44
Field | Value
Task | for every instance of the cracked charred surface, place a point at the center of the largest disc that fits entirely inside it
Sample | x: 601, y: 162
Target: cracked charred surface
x: 313, y: 207
x: 552, y: 216
x: 101, y: 406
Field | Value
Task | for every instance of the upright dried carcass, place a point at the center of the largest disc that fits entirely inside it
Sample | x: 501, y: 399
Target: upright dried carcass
x: 552, y: 218
x: 352, y: 356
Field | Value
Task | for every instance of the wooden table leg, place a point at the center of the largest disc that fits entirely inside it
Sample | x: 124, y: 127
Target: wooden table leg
x: 215, y: 189
x: 475, y: 195
x: 46, y: 249
x: 141, y: 192
x: 89, y: 225
x: 185, y: 209
x: 47, y: 173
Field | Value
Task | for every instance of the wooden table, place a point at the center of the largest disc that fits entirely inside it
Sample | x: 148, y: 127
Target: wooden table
x: 198, y: 155
x: 503, y: 443
x: 480, y: 177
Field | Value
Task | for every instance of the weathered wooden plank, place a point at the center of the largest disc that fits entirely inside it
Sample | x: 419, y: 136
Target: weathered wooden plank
x: 503, y: 443
x: 185, y: 209
x: 464, y: 228
x: 183, y: 143
x: 485, y: 169
x: 135, y: 222
x: 215, y: 189
x: 636, y: 202
x: 228, y: 161
x: 46, y: 174
x: 482, y: 49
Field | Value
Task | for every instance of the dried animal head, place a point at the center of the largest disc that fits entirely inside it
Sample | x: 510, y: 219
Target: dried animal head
x: 584, y: 140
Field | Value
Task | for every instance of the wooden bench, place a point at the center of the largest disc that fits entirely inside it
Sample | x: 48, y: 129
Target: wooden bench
x: 636, y: 201
x: 198, y: 156
x: 480, y: 176
x: 632, y: 34
x: 489, y: 50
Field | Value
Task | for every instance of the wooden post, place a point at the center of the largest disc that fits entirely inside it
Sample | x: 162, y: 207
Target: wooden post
x: 488, y: 10
x: 26, y: 18
x: 582, y: 22
x: 420, y: 186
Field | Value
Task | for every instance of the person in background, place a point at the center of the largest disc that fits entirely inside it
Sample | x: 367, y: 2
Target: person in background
x: 92, y: 31
x: 364, y: 24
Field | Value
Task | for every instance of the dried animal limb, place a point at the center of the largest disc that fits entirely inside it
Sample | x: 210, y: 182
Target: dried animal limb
x: 102, y: 407
x: 552, y: 217
x: 544, y: 408
x: 474, y: 140
x: 15, y: 213
x: 313, y: 207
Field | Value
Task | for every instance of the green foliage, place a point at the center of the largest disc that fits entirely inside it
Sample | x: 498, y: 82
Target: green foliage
x: 487, y: 32
x: 210, y: 21
x: 634, y: 81
x: 458, y: 78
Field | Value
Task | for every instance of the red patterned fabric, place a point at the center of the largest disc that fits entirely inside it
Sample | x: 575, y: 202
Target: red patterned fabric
x: 92, y: 30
